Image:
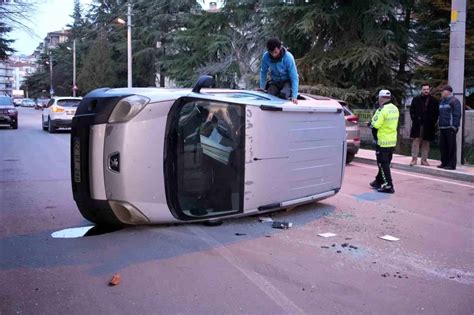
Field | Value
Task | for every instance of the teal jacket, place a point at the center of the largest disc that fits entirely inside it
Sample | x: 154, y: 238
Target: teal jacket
x: 282, y: 70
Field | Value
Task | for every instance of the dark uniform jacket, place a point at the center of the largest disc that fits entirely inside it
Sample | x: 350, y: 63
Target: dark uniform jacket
x: 424, y: 112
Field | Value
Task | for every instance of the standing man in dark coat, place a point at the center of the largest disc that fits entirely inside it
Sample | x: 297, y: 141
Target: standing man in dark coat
x: 424, y: 113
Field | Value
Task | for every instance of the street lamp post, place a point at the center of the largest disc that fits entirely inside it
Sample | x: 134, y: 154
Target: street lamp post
x: 74, y: 86
x: 129, y: 42
x: 51, y: 89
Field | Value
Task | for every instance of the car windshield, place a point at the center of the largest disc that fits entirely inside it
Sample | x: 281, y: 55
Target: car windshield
x: 69, y: 102
x: 5, y: 101
x: 206, y: 143
x: 28, y: 101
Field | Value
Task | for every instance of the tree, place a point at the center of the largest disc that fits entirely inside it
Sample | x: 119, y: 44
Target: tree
x: 5, y: 44
x: 226, y: 44
x: 344, y: 46
x: 97, y: 69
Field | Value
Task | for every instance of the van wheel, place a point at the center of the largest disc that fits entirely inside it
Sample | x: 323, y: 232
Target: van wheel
x: 51, y: 129
x: 43, y: 125
x: 349, y: 157
x: 15, y: 125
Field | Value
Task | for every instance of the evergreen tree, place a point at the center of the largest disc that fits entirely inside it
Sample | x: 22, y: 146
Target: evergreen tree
x: 5, y: 43
x: 97, y: 66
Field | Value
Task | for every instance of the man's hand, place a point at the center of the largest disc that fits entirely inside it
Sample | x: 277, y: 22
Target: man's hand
x: 294, y: 100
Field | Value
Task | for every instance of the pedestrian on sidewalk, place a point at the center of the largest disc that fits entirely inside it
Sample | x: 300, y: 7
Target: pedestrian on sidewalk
x: 385, y: 121
x: 449, y: 120
x: 424, y: 111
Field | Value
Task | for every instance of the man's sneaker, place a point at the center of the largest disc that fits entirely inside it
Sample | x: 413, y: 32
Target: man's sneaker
x: 388, y: 189
x: 441, y: 166
x: 413, y: 161
x: 449, y: 168
x: 375, y: 184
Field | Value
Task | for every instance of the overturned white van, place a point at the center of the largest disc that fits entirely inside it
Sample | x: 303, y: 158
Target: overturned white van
x: 150, y: 155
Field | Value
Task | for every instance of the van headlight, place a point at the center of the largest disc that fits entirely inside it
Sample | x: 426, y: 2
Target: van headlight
x: 127, y: 108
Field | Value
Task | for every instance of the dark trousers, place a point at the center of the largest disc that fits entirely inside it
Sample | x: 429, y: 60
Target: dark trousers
x: 384, y: 158
x: 447, y: 146
x: 280, y: 89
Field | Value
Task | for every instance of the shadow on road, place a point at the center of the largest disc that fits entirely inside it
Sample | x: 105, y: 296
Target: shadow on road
x: 114, y: 251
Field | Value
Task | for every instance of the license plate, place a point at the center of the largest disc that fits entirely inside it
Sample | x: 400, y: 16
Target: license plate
x: 70, y: 113
x: 76, y: 153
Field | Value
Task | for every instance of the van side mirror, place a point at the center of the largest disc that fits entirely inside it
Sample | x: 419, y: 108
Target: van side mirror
x: 204, y: 81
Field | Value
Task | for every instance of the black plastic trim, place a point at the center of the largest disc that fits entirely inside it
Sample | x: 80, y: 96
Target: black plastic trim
x: 271, y: 108
x: 272, y: 206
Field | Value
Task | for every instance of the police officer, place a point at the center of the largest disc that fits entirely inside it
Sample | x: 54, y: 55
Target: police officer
x: 385, y: 122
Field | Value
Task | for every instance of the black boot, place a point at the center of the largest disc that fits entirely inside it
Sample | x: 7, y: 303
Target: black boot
x: 386, y: 188
x: 375, y: 184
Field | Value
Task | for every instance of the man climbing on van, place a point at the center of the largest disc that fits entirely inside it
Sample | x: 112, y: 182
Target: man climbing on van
x: 284, y: 75
x: 385, y: 122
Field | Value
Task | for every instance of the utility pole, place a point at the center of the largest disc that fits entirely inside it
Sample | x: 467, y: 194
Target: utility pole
x: 51, y: 89
x: 74, y: 87
x: 457, y: 44
x: 129, y: 43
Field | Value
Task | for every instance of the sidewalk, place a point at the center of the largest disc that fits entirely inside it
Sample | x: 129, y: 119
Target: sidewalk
x: 402, y: 162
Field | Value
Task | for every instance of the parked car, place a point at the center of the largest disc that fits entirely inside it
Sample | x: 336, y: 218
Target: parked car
x: 59, y: 112
x: 8, y: 112
x: 352, y: 126
x: 353, y: 132
x: 148, y: 155
x: 17, y: 101
x: 28, y: 102
x: 41, y: 103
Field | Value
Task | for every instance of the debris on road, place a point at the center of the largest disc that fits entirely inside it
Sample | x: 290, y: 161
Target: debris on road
x: 328, y: 234
x: 338, y: 252
x: 115, y: 280
x: 265, y: 220
x: 324, y: 246
x: 389, y: 238
x: 240, y: 234
x: 345, y: 245
x: 282, y: 225
x: 353, y: 247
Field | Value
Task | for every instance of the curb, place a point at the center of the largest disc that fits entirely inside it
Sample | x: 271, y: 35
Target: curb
x: 423, y: 170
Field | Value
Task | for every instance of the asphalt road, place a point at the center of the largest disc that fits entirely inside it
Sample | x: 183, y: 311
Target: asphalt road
x: 194, y: 269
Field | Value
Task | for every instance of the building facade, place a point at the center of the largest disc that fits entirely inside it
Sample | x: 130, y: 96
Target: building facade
x: 6, y: 78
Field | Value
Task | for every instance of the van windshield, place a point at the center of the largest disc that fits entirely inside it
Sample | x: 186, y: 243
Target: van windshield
x: 206, y: 154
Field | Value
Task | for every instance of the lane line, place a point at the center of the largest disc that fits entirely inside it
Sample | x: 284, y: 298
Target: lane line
x: 417, y: 176
x: 271, y: 291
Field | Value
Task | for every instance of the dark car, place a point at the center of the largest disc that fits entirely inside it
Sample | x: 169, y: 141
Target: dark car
x: 8, y: 112
x: 41, y: 103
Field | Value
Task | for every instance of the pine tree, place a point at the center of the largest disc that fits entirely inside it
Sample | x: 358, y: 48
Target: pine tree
x: 5, y: 43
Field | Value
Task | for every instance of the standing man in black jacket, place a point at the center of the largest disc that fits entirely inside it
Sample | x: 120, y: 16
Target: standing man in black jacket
x: 424, y: 112
x: 449, y: 122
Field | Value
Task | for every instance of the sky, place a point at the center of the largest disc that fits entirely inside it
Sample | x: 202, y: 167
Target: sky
x: 49, y: 16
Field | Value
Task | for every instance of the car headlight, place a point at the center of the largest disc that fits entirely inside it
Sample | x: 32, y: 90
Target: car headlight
x: 127, y: 108
x: 11, y: 111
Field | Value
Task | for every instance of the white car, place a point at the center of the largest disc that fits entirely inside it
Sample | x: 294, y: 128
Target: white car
x: 58, y: 113
x: 150, y: 155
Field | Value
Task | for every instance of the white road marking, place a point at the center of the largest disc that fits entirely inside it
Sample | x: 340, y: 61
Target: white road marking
x: 417, y: 176
x: 271, y: 291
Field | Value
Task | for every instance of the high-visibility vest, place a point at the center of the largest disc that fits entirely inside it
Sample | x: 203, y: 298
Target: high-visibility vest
x: 385, y: 120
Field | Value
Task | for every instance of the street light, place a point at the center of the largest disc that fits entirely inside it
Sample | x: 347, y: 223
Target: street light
x: 129, y: 42
x: 50, y: 62
x: 74, y: 86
